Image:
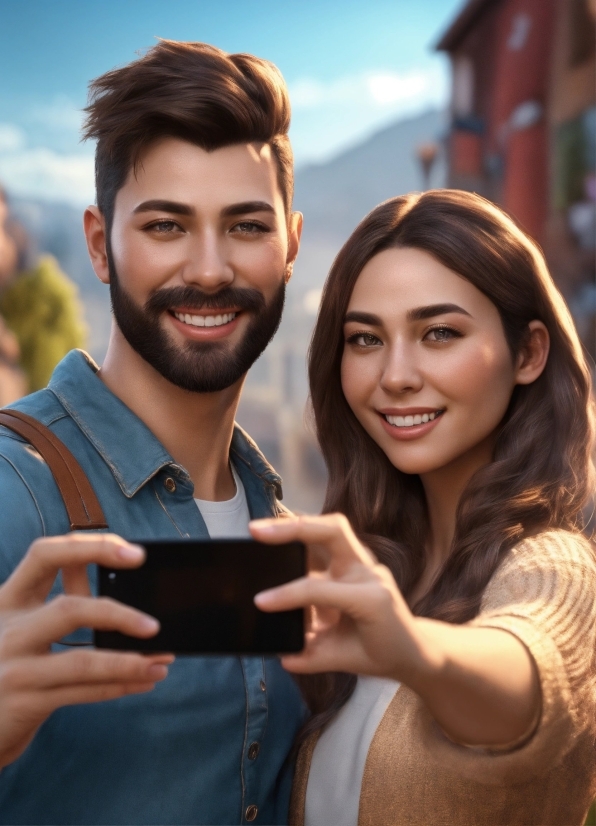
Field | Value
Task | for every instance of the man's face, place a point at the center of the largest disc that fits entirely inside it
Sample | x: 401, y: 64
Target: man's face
x: 198, y: 256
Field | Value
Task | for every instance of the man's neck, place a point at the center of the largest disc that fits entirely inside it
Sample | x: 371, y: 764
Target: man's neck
x: 195, y: 428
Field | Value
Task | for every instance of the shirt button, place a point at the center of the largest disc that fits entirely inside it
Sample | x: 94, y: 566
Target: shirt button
x: 251, y: 812
x: 263, y: 686
x: 169, y: 485
x: 253, y: 751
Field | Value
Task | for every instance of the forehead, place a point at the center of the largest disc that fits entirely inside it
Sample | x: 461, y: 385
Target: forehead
x: 397, y: 280
x: 176, y: 170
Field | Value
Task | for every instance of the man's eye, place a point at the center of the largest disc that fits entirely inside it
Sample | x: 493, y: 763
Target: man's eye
x: 442, y: 334
x: 163, y: 227
x: 250, y: 228
x: 363, y: 339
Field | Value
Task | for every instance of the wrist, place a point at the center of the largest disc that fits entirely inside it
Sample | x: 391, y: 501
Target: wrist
x: 426, y: 661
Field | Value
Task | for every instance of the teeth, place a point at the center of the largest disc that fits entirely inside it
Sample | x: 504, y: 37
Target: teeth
x: 411, y: 421
x: 205, y: 320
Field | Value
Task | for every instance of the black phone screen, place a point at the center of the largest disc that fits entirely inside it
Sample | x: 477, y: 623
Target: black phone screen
x: 202, y: 594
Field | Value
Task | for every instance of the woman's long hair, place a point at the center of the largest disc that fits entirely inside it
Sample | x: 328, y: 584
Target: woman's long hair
x: 541, y: 472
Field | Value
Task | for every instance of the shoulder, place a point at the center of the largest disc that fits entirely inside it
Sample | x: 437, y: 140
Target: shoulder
x: 553, y: 562
x: 43, y: 406
x: 544, y: 593
x: 30, y: 499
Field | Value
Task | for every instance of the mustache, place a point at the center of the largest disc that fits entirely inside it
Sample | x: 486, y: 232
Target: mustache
x: 193, y: 298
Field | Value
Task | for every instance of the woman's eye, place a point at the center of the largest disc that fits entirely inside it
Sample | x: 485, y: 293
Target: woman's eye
x: 442, y: 334
x: 363, y: 339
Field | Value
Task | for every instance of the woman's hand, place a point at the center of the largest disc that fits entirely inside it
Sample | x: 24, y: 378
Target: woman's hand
x: 359, y: 620
x: 479, y: 684
x: 33, y: 680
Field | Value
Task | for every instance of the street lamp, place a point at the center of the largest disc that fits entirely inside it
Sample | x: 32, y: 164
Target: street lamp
x: 427, y: 155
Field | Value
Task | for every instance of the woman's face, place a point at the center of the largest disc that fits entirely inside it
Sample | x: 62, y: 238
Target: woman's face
x: 426, y: 368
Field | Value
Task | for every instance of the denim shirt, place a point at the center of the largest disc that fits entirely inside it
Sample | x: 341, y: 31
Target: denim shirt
x: 179, y: 754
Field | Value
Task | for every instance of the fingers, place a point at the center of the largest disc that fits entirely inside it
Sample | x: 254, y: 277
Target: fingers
x: 31, y: 581
x: 82, y: 668
x: 333, y: 531
x: 34, y: 630
x: 355, y: 599
x: 327, y: 651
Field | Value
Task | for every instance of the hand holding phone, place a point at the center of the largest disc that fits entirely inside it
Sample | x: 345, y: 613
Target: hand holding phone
x: 202, y: 592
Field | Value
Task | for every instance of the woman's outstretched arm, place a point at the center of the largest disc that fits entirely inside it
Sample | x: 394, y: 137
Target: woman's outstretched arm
x: 479, y: 684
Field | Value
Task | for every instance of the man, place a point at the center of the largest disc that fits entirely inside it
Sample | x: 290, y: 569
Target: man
x: 193, y: 232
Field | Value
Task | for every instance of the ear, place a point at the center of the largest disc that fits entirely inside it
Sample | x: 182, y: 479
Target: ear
x: 294, y: 233
x: 533, y: 355
x: 94, y: 226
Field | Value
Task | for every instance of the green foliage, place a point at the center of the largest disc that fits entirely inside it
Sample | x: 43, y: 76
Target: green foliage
x: 42, y: 308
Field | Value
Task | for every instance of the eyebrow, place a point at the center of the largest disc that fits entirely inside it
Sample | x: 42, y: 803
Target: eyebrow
x: 363, y: 318
x: 157, y: 205
x: 420, y: 313
x: 246, y: 207
x: 177, y: 208
x: 417, y: 314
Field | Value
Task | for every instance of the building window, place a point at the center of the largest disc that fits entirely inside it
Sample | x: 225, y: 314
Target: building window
x: 463, y: 86
x: 575, y: 159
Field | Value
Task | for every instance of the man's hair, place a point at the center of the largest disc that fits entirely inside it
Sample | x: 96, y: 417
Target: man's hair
x: 191, y: 91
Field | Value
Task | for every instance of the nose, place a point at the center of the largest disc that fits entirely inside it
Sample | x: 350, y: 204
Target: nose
x: 206, y: 265
x: 401, y: 372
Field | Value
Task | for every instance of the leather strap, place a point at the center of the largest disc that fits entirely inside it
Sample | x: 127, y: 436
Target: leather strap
x: 81, y: 503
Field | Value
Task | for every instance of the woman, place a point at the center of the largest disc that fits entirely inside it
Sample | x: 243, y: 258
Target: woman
x: 453, y: 407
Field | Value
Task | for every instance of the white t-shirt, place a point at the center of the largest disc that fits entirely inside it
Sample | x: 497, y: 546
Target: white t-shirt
x: 229, y: 519
x: 337, y: 766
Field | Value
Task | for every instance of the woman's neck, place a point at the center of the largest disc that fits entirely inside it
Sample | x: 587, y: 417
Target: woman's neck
x: 443, y: 489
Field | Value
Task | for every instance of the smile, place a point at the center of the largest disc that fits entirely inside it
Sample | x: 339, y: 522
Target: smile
x: 205, y: 320
x: 412, y: 421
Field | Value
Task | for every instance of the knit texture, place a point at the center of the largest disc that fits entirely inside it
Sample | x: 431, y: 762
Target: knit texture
x: 544, y: 593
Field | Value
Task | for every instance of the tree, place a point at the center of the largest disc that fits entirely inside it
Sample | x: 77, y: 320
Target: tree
x: 42, y: 308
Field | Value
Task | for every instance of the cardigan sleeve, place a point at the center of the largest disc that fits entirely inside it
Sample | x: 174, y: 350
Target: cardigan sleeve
x: 545, y: 595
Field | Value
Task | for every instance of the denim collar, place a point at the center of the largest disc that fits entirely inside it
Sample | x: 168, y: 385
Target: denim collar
x: 125, y: 443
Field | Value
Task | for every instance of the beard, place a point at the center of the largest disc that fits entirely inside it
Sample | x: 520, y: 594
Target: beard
x: 197, y: 366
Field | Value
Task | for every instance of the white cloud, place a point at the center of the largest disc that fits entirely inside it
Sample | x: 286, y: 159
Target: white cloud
x: 43, y: 173
x: 61, y: 114
x: 390, y: 88
x: 11, y: 137
x: 376, y: 89
x: 328, y: 117
x: 40, y: 171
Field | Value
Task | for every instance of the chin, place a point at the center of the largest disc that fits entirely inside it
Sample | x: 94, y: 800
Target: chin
x: 416, y: 464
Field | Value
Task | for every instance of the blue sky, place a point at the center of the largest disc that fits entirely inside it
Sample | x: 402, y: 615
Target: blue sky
x: 351, y: 67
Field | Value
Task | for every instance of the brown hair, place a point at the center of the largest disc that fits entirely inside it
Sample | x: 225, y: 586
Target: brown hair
x: 191, y: 91
x: 541, y: 473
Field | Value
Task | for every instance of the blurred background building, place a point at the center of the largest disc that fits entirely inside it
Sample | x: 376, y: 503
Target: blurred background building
x: 523, y: 128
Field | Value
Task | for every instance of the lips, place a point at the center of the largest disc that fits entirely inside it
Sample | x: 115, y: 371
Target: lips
x: 406, y: 425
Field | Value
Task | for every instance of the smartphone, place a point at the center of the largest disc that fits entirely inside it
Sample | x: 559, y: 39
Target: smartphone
x: 202, y: 591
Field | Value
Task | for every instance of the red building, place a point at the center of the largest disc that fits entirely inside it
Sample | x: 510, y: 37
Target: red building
x: 523, y: 128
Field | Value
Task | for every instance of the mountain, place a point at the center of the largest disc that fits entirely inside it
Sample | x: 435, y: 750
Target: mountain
x: 336, y: 195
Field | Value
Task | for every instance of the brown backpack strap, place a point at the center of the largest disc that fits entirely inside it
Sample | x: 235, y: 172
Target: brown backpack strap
x: 82, y: 506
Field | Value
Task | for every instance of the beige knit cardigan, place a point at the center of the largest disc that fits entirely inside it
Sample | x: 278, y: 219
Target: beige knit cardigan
x: 545, y: 594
